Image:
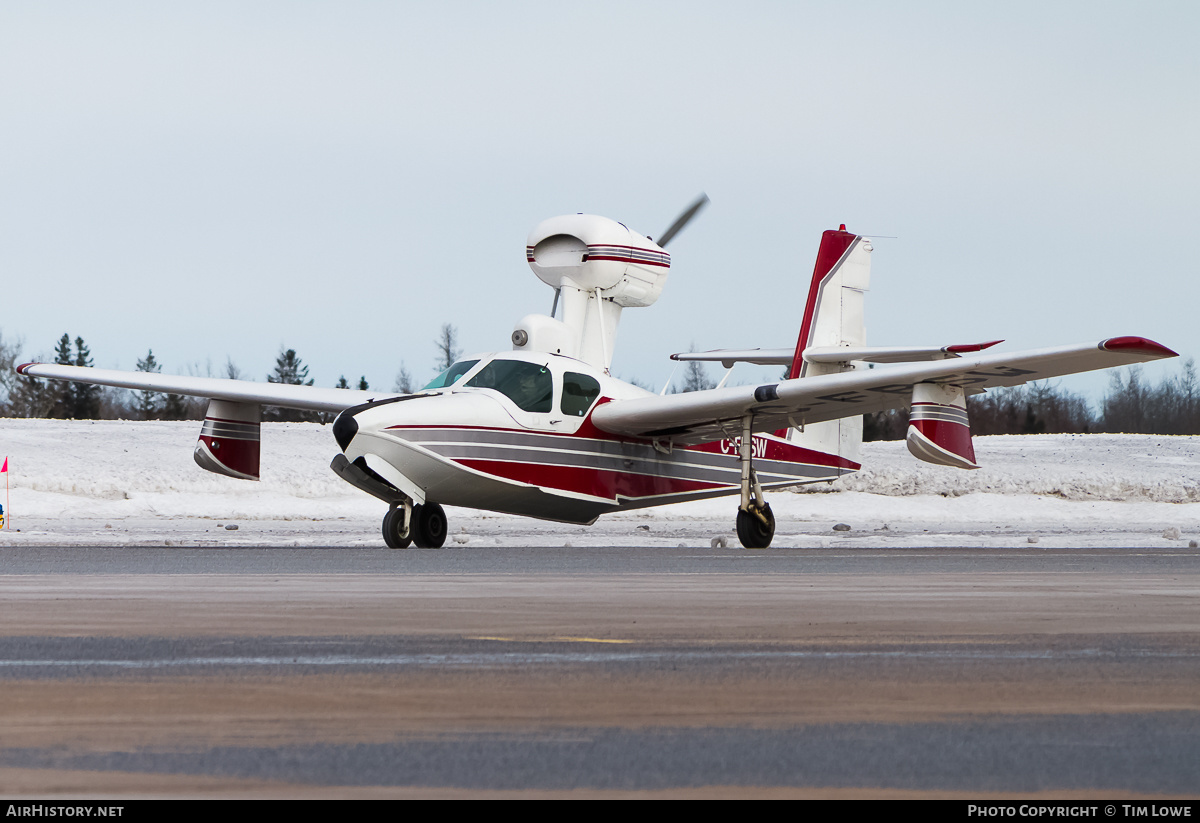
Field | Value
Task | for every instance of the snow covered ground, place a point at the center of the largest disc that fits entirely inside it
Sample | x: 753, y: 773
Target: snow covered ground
x: 117, y: 482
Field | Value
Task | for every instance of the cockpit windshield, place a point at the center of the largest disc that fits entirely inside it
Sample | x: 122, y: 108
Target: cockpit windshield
x: 451, y: 375
x: 528, y: 385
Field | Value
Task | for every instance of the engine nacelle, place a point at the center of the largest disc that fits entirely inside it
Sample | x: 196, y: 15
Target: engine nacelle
x: 589, y: 252
x: 597, y: 267
x: 938, y: 428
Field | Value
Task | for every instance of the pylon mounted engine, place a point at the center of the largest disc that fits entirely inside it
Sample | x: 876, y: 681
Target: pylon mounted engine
x: 597, y: 267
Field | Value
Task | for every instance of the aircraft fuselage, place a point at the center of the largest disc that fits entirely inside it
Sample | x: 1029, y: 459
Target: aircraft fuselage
x: 478, y: 443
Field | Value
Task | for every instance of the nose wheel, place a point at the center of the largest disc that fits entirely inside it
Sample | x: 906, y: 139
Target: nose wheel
x: 429, y: 526
x: 397, y: 531
x: 407, y: 524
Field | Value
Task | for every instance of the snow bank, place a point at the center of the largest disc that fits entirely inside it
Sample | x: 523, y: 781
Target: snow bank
x: 120, y: 482
x: 1117, y: 467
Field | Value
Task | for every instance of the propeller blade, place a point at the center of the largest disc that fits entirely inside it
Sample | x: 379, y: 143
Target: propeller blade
x: 683, y: 219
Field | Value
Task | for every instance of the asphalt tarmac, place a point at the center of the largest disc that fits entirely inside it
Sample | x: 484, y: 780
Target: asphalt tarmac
x: 629, y: 672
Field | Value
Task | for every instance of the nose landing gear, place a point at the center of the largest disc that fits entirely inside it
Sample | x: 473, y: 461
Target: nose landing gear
x: 424, y: 525
x: 397, y: 526
x: 429, y: 526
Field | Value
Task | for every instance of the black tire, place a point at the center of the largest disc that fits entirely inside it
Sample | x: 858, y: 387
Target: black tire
x: 429, y: 526
x: 753, y: 533
x: 393, y: 524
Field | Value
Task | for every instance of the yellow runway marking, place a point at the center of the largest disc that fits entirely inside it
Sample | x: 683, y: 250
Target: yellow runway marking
x: 554, y: 639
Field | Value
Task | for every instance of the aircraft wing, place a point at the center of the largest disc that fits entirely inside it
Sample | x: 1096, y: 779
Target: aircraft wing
x: 702, y: 416
x: 215, y: 388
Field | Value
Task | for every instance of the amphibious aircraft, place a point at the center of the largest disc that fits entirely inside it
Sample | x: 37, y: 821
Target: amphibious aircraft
x: 544, y: 430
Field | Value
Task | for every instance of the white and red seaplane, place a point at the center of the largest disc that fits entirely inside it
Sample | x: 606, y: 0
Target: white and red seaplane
x: 545, y: 431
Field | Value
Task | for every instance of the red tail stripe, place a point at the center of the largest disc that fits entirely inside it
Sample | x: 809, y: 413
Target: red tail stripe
x: 833, y: 246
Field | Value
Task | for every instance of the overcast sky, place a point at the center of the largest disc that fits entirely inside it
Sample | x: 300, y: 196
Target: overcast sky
x: 217, y: 180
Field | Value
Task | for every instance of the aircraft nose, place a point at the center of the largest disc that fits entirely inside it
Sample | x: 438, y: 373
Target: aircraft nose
x: 344, y: 428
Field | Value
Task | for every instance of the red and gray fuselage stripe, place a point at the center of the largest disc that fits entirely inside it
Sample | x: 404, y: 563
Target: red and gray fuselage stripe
x: 627, y: 254
x: 572, y: 463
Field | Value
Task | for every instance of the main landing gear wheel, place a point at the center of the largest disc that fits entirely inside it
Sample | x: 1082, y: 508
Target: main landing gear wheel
x: 753, y: 531
x: 393, y: 529
x: 429, y: 526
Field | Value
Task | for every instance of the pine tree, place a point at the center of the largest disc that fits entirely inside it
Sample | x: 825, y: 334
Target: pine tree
x: 86, y: 397
x: 291, y: 370
x: 62, y: 352
x: 175, y: 408
x: 64, y: 402
x: 362, y: 384
x: 148, y: 403
x: 342, y: 383
x: 75, y: 401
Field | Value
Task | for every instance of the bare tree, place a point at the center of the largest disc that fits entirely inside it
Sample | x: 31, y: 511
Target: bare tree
x: 24, y: 396
x: 447, y: 348
x: 889, y: 424
x: 404, y: 381
x: 1124, y: 407
x: 10, y: 352
x: 695, y: 377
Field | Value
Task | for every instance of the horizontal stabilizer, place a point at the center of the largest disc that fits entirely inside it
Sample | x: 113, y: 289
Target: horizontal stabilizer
x: 727, y: 357
x: 834, y: 354
x: 892, y: 354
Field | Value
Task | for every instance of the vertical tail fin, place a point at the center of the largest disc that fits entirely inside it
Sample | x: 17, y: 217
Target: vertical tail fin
x: 833, y: 316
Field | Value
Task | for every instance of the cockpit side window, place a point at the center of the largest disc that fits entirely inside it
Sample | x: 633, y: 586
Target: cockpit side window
x: 528, y: 385
x: 451, y: 375
x: 579, y: 392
